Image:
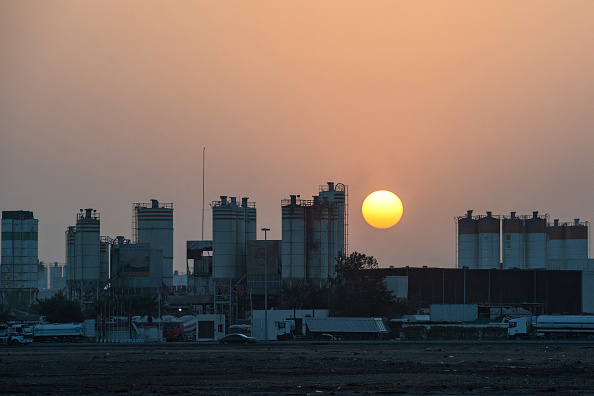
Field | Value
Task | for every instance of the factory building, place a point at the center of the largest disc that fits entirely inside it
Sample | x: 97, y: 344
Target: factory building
x: 57, y: 281
x: 314, y: 232
x: 153, y: 225
x: 18, y: 268
x: 539, y: 291
x: 519, y: 242
x: 83, y: 252
x: 136, y: 268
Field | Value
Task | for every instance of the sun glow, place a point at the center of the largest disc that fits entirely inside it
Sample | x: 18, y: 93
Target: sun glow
x: 382, y: 209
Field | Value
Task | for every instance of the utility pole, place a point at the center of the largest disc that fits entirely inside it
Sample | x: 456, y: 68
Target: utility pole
x: 265, y: 283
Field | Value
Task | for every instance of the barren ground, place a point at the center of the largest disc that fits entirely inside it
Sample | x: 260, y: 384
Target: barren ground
x: 393, y: 367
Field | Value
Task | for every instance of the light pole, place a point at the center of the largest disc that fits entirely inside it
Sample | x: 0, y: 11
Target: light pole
x: 265, y: 284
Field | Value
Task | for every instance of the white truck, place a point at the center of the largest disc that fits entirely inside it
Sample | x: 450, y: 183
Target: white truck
x: 16, y: 334
x: 331, y: 329
x: 552, y: 326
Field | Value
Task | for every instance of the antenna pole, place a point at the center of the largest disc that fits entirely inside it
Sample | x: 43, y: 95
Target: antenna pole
x: 203, y: 153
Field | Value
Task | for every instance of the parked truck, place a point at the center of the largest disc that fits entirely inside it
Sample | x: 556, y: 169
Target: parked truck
x: 552, y: 326
x: 58, y: 332
x: 331, y: 328
x: 16, y: 334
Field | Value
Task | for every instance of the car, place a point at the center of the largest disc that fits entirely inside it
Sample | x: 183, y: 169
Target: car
x: 237, y: 339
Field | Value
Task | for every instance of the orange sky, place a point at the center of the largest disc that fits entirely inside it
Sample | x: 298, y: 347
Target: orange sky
x: 452, y: 105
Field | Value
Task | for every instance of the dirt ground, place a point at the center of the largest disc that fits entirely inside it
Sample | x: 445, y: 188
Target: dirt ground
x: 333, y: 368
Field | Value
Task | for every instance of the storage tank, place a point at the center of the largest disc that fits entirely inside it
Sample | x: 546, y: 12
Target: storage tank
x: 536, y: 241
x: 514, y: 242
x: 104, y: 259
x: 70, y: 253
x: 336, y: 195
x: 576, y: 240
x: 154, y: 225
x: 233, y: 225
x: 19, y: 251
x: 556, y: 241
x: 87, y: 246
x: 489, y: 231
x: 293, y: 238
x: 467, y: 241
x: 317, y: 239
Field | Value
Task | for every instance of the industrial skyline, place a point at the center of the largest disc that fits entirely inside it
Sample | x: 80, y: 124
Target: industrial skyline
x: 453, y: 106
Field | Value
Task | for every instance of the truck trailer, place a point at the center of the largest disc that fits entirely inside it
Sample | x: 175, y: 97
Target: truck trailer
x: 331, y: 329
x: 58, y: 332
x: 552, y: 326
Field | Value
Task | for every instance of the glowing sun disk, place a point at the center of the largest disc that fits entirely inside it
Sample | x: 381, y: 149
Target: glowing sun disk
x: 382, y: 209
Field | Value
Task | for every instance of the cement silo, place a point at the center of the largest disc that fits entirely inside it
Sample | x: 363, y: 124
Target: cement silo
x: 556, y: 241
x: 318, y: 239
x: 83, y: 257
x: 536, y: 241
x: 489, y: 231
x: 251, y: 229
x: 576, y: 241
x: 467, y: 241
x: 19, y: 251
x: 104, y: 259
x: 514, y: 242
x: 336, y: 195
x: 87, y: 246
x: 154, y: 225
x: 70, y: 253
x: 232, y: 227
x: 293, y: 238
x: 314, y: 232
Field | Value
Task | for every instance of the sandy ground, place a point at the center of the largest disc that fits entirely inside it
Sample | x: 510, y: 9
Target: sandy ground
x: 332, y: 368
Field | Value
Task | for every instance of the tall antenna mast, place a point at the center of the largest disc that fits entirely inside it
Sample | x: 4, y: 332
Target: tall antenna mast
x: 203, y: 153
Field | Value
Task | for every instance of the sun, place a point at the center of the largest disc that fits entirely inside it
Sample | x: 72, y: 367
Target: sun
x: 382, y: 209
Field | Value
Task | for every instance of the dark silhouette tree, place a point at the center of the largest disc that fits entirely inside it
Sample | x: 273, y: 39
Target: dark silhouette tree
x: 358, y: 290
x: 302, y: 295
x: 59, y: 309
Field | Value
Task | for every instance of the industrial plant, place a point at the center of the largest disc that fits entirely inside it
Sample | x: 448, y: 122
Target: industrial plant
x: 504, y: 263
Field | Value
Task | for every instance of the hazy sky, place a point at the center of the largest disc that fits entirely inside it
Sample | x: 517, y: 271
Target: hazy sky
x: 452, y: 105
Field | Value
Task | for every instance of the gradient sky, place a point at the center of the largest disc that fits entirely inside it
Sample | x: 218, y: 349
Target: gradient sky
x: 452, y: 105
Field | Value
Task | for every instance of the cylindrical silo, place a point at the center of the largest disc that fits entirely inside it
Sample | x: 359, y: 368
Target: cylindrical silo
x: 87, y: 240
x: 536, y: 241
x: 556, y: 241
x: 293, y: 239
x: 576, y: 241
x: 154, y: 223
x: 224, y: 239
x: 335, y: 195
x: 467, y: 241
x: 317, y: 240
x: 104, y: 259
x: 251, y: 229
x: 514, y: 243
x: 489, y: 231
x: 19, y: 251
x: 70, y: 253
